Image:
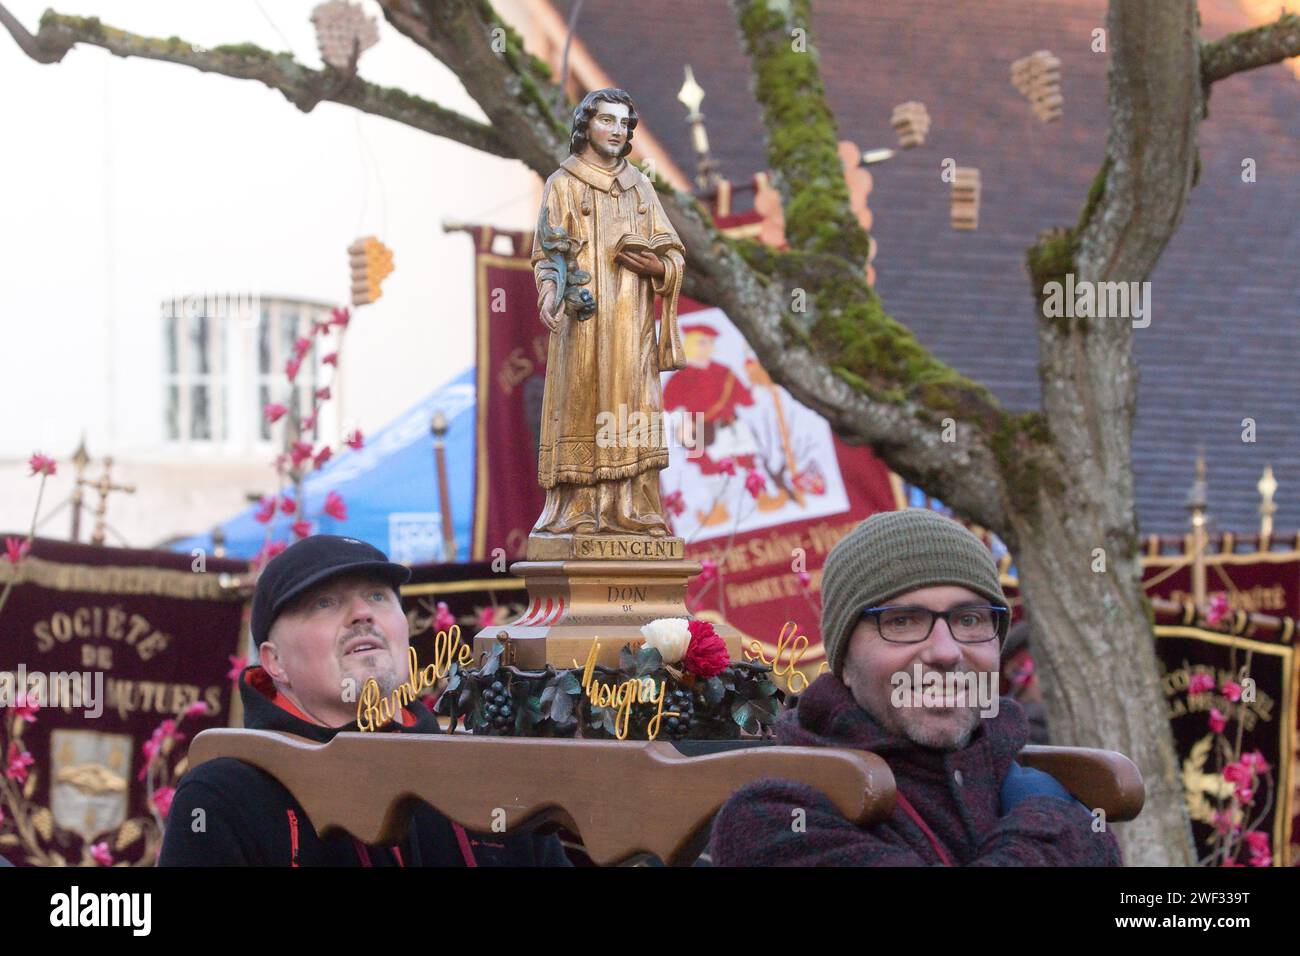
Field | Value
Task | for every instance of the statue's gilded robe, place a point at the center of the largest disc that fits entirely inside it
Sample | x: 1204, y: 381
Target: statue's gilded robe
x: 609, y: 361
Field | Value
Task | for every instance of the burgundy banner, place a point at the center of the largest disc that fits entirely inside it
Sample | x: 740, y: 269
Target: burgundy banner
x: 511, y: 371
x: 128, y: 640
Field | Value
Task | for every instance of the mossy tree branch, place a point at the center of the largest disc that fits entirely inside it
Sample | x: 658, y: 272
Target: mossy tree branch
x: 801, y: 132
x: 302, y: 86
x: 1249, y: 49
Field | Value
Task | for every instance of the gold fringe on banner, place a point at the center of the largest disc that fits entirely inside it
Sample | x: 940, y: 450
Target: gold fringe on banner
x: 111, y: 579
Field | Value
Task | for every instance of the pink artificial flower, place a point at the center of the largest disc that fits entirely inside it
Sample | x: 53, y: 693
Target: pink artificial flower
x: 1218, y: 608
x: 708, y: 570
x: 237, y: 665
x: 291, y: 368
x: 706, y: 654
x: 1244, y: 794
x: 288, y: 505
x: 149, y: 750
x: 804, y: 578
x: 42, y: 465
x: 1232, y: 691
x: 101, y: 854
x: 152, y: 747
x: 1229, y: 863
x: 26, y: 712
x: 1024, y: 673
x: 265, y: 511
x: 162, y: 800
x: 1238, y: 773
x: 299, y: 452
x: 674, y: 503
x: 355, y: 440
x: 308, y: 423
x: 196, y: 709
x: 1200, y: 684
x: 335, y: 507
x: 323, y: 455
x: 1261, y: 859
x: 301, y: 528
x: 444, y: 619
x: 487, y: 616
x: 1255, y: 760
x: 2, y: 816
x: 18, y: 763
x: 301, y: 347
x: 323, y: 394
x: 320, y: 328
x: 273, y: 412
x: 1218, y: 720
x: 727, y: 466
x: 269, y: 551
x: 1222, y: 821
x: 340, y: 317
x: 16, y: 549
x: 331, y: 359
x: 1256, y: 841
x: 755, y: 483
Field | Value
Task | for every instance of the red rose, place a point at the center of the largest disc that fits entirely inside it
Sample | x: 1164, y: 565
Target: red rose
x: 706, y: 655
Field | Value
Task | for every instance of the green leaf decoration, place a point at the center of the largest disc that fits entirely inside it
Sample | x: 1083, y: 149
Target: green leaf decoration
x: 627, y: 659
x: 561, y: 708
x: 714, y: 691
x: 569, y: 683
x: 648, y: 660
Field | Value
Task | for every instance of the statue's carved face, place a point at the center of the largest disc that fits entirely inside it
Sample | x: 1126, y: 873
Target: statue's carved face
x: 607, y: 133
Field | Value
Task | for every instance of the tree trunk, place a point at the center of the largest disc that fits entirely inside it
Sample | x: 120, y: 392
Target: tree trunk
x: 1096, y: 656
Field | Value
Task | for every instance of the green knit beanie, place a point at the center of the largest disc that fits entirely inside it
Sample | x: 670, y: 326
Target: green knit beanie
x: 893, y: 552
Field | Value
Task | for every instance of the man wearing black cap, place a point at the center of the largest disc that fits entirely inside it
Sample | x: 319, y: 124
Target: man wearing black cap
x: 326, y: 617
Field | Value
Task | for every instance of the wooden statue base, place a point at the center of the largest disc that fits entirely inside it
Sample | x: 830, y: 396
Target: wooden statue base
x: 571, y: 603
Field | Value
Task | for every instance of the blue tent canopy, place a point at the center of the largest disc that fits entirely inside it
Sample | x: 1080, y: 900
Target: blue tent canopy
x: 389, y: 486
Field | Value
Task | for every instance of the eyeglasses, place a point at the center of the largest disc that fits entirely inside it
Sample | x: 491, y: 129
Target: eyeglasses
x: 969, y: 624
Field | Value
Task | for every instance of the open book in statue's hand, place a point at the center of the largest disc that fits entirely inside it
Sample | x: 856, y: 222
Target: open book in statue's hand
x: 657, y: 245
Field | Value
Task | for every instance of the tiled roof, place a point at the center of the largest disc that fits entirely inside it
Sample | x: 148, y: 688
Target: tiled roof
x: 1224, y: 340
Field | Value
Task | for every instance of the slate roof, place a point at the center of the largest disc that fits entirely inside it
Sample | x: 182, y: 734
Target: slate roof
x: 1225, y: 333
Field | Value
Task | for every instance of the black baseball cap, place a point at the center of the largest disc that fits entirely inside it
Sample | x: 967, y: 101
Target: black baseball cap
x: 309, y: 562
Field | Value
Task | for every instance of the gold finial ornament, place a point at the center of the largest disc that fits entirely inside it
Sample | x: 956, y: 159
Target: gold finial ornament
x: 1196, y: 504
x: 691, y: 95
x: 1267, y: 488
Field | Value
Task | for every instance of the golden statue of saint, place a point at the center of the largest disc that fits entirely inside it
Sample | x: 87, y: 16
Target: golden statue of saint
x: 603, y: 250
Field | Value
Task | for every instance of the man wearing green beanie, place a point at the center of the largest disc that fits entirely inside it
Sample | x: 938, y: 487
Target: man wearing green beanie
x: 913, y: 620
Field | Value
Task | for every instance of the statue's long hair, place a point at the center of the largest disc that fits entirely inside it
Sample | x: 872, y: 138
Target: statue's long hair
x: 587, y: 109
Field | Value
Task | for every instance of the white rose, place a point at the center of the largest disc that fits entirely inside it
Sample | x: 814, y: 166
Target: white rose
x: 670, y: 636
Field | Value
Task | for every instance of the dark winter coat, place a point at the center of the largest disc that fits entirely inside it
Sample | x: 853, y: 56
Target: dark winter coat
x: 959, y: 797
x: 250, y: 819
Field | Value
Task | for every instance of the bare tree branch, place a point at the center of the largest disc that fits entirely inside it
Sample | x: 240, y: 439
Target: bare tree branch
x: 301, y: 85
x: 1249, y: 49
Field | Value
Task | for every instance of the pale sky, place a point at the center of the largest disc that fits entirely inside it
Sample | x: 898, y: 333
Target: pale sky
x: 128, y: 181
